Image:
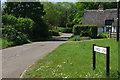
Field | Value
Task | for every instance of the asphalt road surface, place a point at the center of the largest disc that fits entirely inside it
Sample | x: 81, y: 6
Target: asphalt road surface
x: 16, y: 59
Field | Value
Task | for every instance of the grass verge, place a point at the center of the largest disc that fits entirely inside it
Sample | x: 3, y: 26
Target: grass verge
x: 78, y: 38
x: 74, y: 60
x: 4, y: 43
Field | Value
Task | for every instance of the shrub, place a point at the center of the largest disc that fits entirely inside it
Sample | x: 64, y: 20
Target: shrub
x: 78, y: 38
x: 23, y: 25
x: 11, y: 34
x: 9, y: 19
x: 85, y: 30
x: 64, y: 30
x: 26, y: 26
x: 70, y: 24
x: 54, y: 33
x: 41, y: 30
x: 102, y: 35
x: 5, y: 43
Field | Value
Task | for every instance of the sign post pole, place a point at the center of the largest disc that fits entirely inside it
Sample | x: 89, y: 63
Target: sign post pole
x: 94, y: 58
x: 103, y: 50
x: 108, y: 61
x: 117, y: 20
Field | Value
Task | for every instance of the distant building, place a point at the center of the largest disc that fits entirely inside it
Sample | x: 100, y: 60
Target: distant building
x: 105, y: 19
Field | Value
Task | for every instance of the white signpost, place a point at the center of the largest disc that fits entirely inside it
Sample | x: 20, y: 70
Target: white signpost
x: 104, y: 50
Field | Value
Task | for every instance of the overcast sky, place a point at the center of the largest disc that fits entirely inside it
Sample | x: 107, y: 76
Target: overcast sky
x: 3, y: 1
x: 70, y: 0
x: 53, y: 0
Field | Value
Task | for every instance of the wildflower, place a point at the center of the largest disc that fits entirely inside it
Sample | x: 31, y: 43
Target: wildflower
x: 59, y: 66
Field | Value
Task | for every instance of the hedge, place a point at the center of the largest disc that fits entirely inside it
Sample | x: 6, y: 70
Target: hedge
x: 85, y: 30
x: 64, y: 30
x: 11, y: 34
x: 26, y: 26
x: 70, y: 24
x: 9, y: 19
x: 23, y: 25
x: 54, y: 33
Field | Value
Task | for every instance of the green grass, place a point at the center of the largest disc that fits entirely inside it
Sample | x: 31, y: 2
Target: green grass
x: 78, y: 38
x: 74, y: 60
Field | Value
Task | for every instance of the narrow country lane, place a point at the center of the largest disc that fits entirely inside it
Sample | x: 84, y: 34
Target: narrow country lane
x: 16, y: 59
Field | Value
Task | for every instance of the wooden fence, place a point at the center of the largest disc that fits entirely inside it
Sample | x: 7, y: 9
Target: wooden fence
x: 113, y: 35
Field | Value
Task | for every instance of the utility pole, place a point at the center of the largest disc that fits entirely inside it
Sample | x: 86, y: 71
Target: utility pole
x: 117, y: 20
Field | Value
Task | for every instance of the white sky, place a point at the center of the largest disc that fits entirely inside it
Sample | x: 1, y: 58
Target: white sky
x: 68, y: 0
x: 51, y: 0
x: 3, y: 0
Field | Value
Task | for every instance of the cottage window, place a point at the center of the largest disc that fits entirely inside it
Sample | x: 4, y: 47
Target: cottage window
x: 108, y: 25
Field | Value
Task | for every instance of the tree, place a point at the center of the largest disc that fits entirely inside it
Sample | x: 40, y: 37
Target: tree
x: 51, y: 16
x: 57, y: 13
x: 80, y: 6
x: 32, y: 10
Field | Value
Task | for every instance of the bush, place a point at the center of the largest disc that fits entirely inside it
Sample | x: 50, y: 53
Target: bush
x: 9, y: 20
x: 85, y: 30
x: 78, y: 38
x: 5, y: 43
x: 64, y: 30
x: 70, y: 24
x: 41, y: 29
x: 23, y: 25
x: 102, y: 35
x: 54, y: 33
x: 26, y: 26
x: 11, y: 34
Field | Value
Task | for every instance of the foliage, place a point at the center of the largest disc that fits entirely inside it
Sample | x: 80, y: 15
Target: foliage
x: 75, y: 38
x: 5, y: 43
x: 64, y: 30
x: 32, y: 10
x: 78, y: 38
x: 85, y: 30
x: 57, y: 13
x: 11, y: 34
x: 54, y: 33
x: 81, y: 6
x: 70, y: 24
x: 102, y: 35
x: 64, y: 13
x: 9, y: 19
x: 52, y: 16
x: 25, y: 26
x: 74, y: 60
x: 41, y: 30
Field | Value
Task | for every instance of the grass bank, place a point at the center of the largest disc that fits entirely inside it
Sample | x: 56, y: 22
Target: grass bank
x: 74, y: 60
x: 4, y: 43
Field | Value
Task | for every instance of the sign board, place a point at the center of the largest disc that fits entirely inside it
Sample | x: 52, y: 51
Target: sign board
x: 100, y: 49
x: 104, y: 50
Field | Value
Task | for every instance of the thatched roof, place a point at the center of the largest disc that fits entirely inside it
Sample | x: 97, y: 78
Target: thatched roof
x: 98, y: 17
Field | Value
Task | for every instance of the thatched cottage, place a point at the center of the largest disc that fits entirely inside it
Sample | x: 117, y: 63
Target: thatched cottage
x: 105, y: 19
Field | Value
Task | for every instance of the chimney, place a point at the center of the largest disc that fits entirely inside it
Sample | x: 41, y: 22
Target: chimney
x: 101, y: 7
